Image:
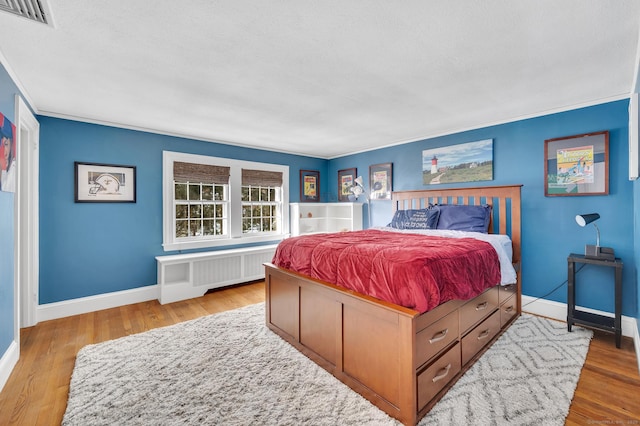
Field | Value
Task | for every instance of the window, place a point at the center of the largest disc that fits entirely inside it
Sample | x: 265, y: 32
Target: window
x: 210, y: 201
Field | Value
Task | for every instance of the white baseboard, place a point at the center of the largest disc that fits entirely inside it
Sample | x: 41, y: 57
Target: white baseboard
x: 83, y: 305
x: 8, y: 362
x: 558, y: 311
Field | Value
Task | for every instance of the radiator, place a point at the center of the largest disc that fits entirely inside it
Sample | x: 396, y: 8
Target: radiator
x: 184, y: 276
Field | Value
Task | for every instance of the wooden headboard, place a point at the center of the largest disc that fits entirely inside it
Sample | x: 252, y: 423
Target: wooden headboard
x: 505, y: 202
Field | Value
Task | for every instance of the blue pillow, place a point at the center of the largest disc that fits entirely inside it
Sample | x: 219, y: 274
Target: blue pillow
x: 415, y: 219
x: 464, y: 218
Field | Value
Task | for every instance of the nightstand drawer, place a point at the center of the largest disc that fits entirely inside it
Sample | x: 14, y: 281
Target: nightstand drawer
x: 436, y: 337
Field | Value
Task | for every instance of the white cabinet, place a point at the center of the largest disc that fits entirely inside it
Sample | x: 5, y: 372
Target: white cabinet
x: 309, y: 218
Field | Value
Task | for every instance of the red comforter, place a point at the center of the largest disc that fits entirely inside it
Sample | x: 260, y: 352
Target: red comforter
x: 416, y: 271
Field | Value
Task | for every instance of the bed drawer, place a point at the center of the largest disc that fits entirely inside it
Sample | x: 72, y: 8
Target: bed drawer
x: 436, y: 337
x: 480, y: 336
x: 437, y: 375
x: 508, y: 310
x: 506, y: 291
x: 478, y: 308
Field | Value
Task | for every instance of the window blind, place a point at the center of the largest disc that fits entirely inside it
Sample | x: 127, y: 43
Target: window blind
x: 261, y: 178
x: 203, y: 173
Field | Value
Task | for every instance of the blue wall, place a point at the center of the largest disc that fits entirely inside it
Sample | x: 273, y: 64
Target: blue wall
x: 93, y: 248
x: 8, y: 91
x: 549, y: 231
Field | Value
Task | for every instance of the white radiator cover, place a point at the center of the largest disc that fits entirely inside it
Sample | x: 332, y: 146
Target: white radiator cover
x: 184, y: 276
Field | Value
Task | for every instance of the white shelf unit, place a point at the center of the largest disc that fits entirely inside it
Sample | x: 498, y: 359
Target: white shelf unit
x: 312, y: 218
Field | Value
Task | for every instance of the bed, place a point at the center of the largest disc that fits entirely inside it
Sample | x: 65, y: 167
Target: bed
x: 401, y: 359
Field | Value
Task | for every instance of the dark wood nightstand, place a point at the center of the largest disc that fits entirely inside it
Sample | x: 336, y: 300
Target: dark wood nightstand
x: 601, y: 322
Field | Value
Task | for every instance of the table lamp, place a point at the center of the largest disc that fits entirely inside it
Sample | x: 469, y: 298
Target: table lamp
x: 591, y: 251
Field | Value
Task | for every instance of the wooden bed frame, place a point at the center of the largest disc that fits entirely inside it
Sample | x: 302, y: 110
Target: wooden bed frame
x: 400, y: 360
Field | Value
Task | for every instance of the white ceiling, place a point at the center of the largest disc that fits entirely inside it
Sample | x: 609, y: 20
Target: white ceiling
x: 321, y: 78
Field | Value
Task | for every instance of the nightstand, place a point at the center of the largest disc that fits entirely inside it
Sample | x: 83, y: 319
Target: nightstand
x: 601, y: 322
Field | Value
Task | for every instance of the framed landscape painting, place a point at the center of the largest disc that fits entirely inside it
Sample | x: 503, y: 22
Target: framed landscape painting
x: 466, y: 162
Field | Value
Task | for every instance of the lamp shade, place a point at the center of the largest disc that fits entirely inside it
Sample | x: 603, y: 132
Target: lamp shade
x: 585, y: 219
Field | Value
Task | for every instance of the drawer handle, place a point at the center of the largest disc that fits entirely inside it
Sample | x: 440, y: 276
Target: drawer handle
x: 483, y: 335
x: 444, y: 373
x: 439, y: 336
x: 509, y: 309
x: 481, y: 306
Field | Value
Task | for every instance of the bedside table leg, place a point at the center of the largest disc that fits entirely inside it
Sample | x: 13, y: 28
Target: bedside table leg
x: 571, y: 293
x: 618, y: 307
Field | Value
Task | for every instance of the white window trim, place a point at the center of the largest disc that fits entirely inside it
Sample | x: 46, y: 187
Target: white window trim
x: 236, y: 236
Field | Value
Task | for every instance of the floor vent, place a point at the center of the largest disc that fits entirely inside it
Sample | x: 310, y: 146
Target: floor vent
x: 30, y: 9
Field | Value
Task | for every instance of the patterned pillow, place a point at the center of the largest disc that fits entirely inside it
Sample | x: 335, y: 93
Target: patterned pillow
x: 464, y: 218
x: 415, y: 218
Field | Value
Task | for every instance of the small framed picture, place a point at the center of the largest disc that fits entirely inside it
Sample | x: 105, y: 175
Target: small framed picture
x: 309, y: 186
x: 577, y: 165
x: 104, y: 183
x: 381, y: 181
x: 346, y: 178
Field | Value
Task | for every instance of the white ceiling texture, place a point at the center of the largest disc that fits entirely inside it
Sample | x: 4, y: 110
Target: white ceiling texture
x: 321, y: 78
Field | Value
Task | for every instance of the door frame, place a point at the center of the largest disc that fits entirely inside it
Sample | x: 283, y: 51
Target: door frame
x: 27, y: 260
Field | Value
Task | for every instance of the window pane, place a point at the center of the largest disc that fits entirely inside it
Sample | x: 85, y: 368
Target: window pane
x: 264, y: 194
x: 182, y: 228
x: 255, y: 211
x: 246, y: 225
x: 272, y: 194
x: 194, y: 191
x: 219, y: 227
x: 208, y: 227
x: 266, y: 225
x: 219, y: 210
x: 208, y: 210
x: 195, y: 211
x: 194, y: 228
x: 255, y: 194
x: 266, y: 210
x: 180, y: 191
x: 219, y: 192
x: 182, y: 211
x: 245, y: 193
x: 207, y: 192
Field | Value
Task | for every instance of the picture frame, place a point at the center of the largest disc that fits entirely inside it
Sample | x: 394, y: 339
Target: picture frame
x: 577, y: 165
x: 309, y: 186
x: 104, y: 183
x: 380, y: 181
x: 346, y: 178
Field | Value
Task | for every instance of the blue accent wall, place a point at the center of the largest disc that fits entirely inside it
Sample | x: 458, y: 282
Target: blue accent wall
x: 8, y: 91
x: 549, y: 232
x: 93, y: 248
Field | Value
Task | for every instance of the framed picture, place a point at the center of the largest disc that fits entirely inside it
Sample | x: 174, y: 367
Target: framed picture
x: 309, y: 186
x: 381, y: 181
x: 345, y: 182
x: 104, y: 183
x: 465, y: 162
x: 577, y: 165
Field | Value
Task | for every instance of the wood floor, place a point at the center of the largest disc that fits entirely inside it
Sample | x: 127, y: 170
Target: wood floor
x: 36, y: 392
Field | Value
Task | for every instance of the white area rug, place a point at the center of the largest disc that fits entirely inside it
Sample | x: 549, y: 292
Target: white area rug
x: 229, y: 369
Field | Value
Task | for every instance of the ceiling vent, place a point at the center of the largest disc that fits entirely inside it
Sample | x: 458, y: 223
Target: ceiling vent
x: 30, y: 9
